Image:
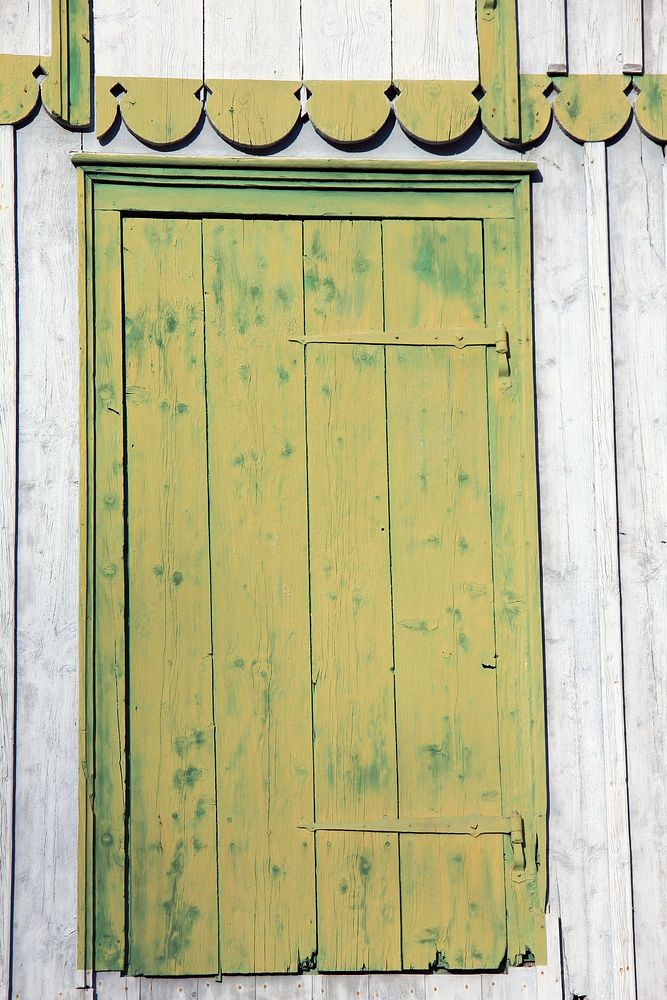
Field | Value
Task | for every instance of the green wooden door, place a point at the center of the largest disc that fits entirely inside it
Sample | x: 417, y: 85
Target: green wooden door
x: 313, y: 750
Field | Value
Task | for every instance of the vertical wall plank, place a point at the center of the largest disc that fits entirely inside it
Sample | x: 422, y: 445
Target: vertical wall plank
x: 609, y: 652
x: 434, y: 40
x: 252, y: 41
x: 346, y: 40
x: 632, y: 40
x: 45, y: 905
x: 149, y: 38
x: 534, y: 38
x: 556, y: 29
x: 595, y: 37
x: 19, y: 28
x: 577, y: 836
x: 8, y: 403
x: 655, y: 36
x: 637, y: 214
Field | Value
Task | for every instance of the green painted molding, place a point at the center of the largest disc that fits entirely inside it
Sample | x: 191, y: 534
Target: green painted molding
x: 65, y: 74
x: 499, y: 69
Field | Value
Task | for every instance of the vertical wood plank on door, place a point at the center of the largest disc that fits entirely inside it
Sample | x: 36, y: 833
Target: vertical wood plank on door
x: 577, y: 809
x: 109, y: 590
x: 595, y: 37
x: 353, y: 693
x: 8, y: 405
x: 149, y: 38
x: 346, y: 40
x: 609, y: 654
x: 433, y: 40
x: 452, y: 888
x: 259, y: 544
x: 173, y: 900
x: 637, y: 236
x: 45, y: 904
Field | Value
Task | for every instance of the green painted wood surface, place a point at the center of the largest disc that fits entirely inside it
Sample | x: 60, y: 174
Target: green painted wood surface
x: 110, y: 609
x: 259, y: 544
x: 499, y: 68
x: 173, y: 899
x: 353, y: 685
x: 452, y: 887
x: 321, y: 517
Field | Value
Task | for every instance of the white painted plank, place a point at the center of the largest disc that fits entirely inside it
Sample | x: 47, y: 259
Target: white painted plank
x: 252, y: 41
x: 655, y: 36
x: 19, y: 27
x: 113, y: 986
x: 168, y: 989
x: 284, y: 987
x: 401, y: 986
x: 637, y: 176
x: 444, y: 987
x: 532, y: 19
x: 434, y: 40
x: 229, y: 988
x: 606, y: 535
x: 149, y: 38
x: 8, y: 401
x: 578, y: 873
x: 346, y: 39
x: 595, y: 36
x: 633, y: 55
x: 44, y: 960
x: 556, y: 26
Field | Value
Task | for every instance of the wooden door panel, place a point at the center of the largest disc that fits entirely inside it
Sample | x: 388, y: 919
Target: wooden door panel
x: 259, y: 544
x: 173, y: 903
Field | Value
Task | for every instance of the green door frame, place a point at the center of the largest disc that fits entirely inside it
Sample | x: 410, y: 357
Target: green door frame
x: 497, y: 193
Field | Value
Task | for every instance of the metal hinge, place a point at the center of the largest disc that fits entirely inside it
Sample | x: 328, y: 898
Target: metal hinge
x: 472, y: 826
x: 503, y: 349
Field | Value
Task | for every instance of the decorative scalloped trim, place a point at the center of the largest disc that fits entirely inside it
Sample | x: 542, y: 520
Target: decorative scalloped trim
x: 159, y: 112
x: 19, y: 88
x: 253, y: 114
x: 348, y: 111
x: 259, y: 114
x: 592, y: 108
x: 651, y: 105
x: 436, y: 111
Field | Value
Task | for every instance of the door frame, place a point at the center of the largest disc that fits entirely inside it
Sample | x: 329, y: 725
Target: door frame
x: 111, y: 187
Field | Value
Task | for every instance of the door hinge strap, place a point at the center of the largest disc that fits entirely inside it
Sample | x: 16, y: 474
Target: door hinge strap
x: 472, y: 826
x: 463, y: 336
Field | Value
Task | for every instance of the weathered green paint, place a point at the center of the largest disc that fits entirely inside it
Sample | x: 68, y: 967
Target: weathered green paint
x: 66, y: 90
x: 499, y: 68
x: 259, y: 548
x: 452, y: 887
x: 592, y: 108
x: 329, y: 625
x: 173, y: 899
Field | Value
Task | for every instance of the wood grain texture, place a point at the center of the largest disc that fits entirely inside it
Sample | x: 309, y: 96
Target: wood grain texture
x: 632, y: 38
x: 346, y: 40
x: 66, y: 87
x: 19, y: 28
x: 434, y: 41
x: 160, y: 112
x: 8, y: 428
x: 348, y: 111
x: 173, y: 898
x: 595, y: 37
x: 252, y: 41
x: 609, y: 653
x: 499, y: 69
x: 108, y: 511
x: 253, y: 114
x: 45, y: 905
x: 436, y: 111
x: 532, y: 25
x: 259, y: 545
x: 578, y: 876
x: 351, y: 614
x: 592, y: 108
x: 637, y: 236
x: 452, y: 888
x: 149, y: 38
x: 655, y: 36
x: 19, y: 90
x: 556, y: 31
